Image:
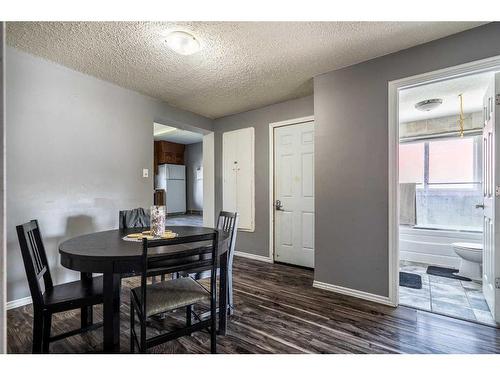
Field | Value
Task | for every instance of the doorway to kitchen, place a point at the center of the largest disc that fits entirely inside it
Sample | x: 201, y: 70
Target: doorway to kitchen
x: 179, y: 174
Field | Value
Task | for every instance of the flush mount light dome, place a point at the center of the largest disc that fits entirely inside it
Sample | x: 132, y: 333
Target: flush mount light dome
x: 183, y: 42
x: 429, y: 104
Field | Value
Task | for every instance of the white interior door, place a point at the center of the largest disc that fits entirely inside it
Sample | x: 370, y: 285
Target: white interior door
x: 294, y: 194
x: 491, y: 190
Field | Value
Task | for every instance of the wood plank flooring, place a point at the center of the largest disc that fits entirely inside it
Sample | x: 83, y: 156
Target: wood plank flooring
x: 278, y: 311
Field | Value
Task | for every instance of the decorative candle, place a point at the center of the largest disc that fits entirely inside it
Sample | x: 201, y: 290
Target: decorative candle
x: 157, y: 221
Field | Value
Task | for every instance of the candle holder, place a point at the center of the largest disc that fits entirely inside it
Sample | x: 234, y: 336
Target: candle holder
x: 157, y: 221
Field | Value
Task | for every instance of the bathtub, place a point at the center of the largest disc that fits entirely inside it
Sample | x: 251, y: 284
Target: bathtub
x: 433, y: 246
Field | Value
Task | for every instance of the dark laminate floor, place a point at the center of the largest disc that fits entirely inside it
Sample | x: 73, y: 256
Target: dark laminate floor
x: 188, y: 219
x: 278, y: 311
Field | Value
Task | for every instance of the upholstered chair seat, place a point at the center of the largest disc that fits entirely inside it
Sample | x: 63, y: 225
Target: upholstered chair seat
x: 172, y: 294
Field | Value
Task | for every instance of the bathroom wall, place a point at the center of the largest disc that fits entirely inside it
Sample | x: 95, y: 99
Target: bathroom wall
x: 434, y: 246
x: 439, y: 125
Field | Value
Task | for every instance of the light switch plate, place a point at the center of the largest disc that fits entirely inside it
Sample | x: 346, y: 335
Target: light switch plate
x: 145, y: 173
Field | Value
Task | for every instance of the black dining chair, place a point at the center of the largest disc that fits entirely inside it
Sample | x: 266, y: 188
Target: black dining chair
x: 135, y: 218
x: 152, y: 300
x: 55, y: 298
x: 227, y: 222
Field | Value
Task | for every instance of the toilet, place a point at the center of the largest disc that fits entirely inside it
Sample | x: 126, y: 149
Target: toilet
x: 472, y: 259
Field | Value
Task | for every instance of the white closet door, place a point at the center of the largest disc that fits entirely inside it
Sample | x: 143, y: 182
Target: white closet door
x: 229, y: 141
x: 238, y: 175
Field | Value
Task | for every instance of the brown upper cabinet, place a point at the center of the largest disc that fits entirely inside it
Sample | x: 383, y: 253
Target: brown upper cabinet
x: 168, y: 153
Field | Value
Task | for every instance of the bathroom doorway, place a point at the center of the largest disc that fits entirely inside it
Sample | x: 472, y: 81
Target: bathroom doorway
x: 446, y: 192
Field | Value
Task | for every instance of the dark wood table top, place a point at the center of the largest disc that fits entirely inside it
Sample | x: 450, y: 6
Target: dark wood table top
x: 108, y: 252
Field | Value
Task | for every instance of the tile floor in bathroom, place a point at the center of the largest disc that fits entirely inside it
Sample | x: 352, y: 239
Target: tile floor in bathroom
x: 461, y: 299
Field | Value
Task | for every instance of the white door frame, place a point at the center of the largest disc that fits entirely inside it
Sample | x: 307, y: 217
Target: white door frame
x: 208, y: 153
x: 479, y: 66
x: 273, y: 125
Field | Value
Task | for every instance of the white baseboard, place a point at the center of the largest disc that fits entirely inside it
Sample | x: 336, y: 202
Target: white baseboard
x: 253, y: 256
x: 354, y: 293
x: 18, y: 303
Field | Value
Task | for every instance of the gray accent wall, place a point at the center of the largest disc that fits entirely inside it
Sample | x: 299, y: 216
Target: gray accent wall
x: 257, y: 242
x: 76, y: 149
x: 351, y: 155
x: 193, y: 158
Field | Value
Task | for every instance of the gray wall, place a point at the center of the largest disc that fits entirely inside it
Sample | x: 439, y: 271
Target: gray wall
x: 76, y: 149
x: 257, y: 242
x: 193, y: 158
x: 351, y: 157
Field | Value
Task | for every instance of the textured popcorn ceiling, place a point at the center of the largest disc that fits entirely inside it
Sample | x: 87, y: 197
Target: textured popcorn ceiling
x: 241, y: 65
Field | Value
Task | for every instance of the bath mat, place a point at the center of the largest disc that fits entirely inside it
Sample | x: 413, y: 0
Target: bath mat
x: 410, y: 280
x: 450, y: 273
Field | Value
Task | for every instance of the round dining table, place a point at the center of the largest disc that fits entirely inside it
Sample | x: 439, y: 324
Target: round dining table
x: 113, y: 255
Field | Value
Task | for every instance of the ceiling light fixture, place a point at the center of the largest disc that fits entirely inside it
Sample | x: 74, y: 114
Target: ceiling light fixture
x: 429, y: 104
x: 183, y: 43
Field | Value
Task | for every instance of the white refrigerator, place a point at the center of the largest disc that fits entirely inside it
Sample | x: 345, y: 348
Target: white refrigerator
x: 172, y: 178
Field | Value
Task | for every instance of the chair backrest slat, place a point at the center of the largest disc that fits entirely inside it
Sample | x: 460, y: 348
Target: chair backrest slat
x: 34, y: 259
x: 228, y: 222
x: 35, y: 252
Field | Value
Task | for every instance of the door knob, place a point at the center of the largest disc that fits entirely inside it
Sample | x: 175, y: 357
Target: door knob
x: 279, y: 205
x: 480, y: 206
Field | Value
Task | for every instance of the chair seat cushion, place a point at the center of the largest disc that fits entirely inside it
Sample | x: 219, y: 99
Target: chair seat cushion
x: 171, y: 294
x: 77, y: 293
